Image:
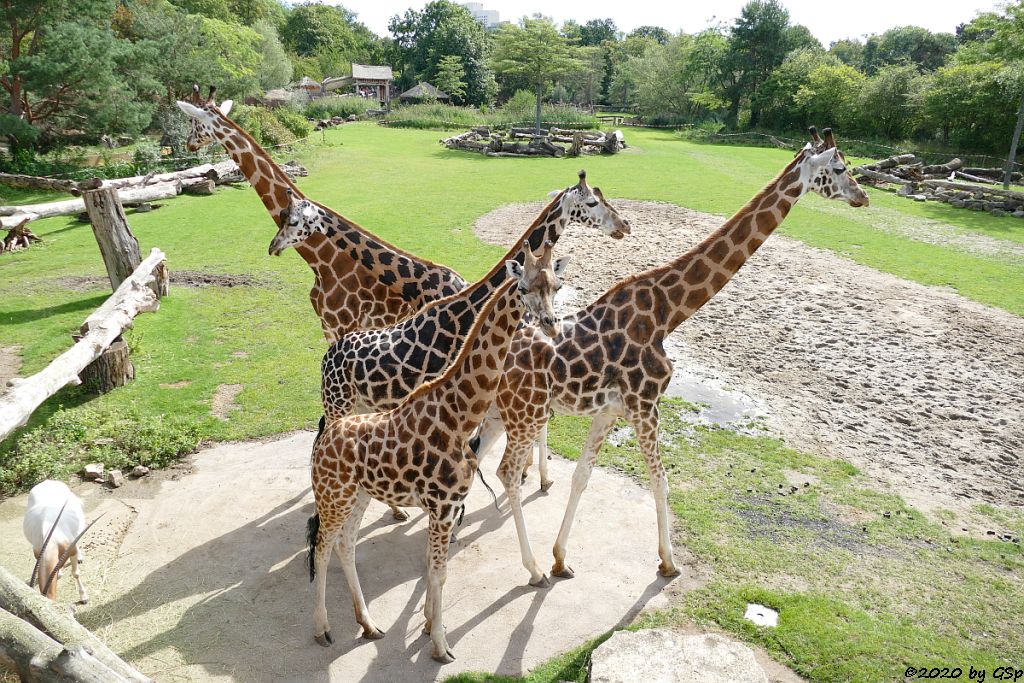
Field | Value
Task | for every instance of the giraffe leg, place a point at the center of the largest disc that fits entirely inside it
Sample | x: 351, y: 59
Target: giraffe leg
x: 83, y: 596
x: 599, y: 428
x: 325, y: 539
x: 644, y: 419
x: 439, y: 531
x: 509, y: 471
x: 542, y: 458
x: 346, y: 549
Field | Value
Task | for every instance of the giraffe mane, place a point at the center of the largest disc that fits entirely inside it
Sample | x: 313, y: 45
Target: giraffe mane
x: 467, y: 345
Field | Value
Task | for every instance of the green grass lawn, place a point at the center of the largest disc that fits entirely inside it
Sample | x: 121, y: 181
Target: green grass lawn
x: 858, y: 592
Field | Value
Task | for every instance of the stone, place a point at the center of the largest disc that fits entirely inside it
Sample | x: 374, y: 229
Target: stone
x: 958, y: 203
x: 905, y: 190
x: 143, y: 208
x: 997, y: 212
x: 139, y: 471
x: 917, y: 197
x: 115, y: 479
x: 668, y: 657
x: 1019, y: 213
x: 93, y: 471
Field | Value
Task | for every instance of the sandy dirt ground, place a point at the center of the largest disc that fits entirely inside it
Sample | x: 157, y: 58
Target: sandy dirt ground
x: 199, y: 575
x: 917, y: 386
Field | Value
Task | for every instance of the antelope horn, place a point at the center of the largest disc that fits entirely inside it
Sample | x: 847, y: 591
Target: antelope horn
x: 67, y: 553
x: 46, y: 542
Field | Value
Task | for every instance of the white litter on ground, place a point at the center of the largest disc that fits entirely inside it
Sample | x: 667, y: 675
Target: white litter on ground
x: 761, y: 615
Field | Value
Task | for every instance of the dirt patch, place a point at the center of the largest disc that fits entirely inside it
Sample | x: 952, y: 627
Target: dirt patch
x: 224, y: 400
x: 176, y: 385
x: 10, y: 364
x: 917, y: 386
x: 179, y: 278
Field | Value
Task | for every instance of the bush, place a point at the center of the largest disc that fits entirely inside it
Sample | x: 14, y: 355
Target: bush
x: 329, y: 107
x: 146, y: 157
x: 442, y: 116
x: 263, y: 126
x: 70, y: 439
x: 447, y: 117
x: 295, y: 122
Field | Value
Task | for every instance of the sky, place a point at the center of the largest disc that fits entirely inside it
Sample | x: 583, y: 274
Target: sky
x: 828, y: 21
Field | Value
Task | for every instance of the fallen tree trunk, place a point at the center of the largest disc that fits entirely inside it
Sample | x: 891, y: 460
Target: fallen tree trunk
x: 100, y: 329
x: 211, y: 171
x: 878, y: 175
x: 945, y: 184
x: 31, y: 182
x: 994, y: 173
x: 897, y: 160
x: 29, y: 606
x: 18, y: 237
x: 945, y: 168
x: 13, y: 215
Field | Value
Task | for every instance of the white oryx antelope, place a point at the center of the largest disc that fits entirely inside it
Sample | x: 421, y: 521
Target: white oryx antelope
x: 54, y: 522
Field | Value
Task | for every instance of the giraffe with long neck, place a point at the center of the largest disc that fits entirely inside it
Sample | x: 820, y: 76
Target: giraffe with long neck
x: 608, y: 360
x: 413, y: 455
x: 361, y: 280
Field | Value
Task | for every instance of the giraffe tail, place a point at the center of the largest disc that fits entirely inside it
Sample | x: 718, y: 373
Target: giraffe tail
x: 312, y: 531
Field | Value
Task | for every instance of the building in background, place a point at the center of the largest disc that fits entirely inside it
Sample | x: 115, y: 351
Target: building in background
x: 487, y: 17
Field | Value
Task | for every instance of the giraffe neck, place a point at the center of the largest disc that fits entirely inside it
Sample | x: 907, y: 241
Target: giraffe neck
x: 676, y: 290
x: 262, y: 172
x: 466, y: 390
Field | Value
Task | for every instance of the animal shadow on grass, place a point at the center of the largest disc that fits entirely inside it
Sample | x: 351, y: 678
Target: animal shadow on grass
x: 253, y: 619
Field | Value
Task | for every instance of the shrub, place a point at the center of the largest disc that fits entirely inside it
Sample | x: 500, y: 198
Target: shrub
x: 447, y: 117
x: 116, y: 437
x: 263, y: 126
x: 442, y: 116
x: 329, y: 107
x: 146, y: 157
x: 295, y: 122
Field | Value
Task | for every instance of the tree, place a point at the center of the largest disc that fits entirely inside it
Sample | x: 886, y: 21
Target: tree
x: 974, y: 105
x: 535, y: 50
x: 908, y: 45
x: 313, y: 28
x: 778, y: 95
x: 442, y: 28
x: 757, y: 45
x: 657, y: 33
x: 889, y: 102
x: 849, y: 51
x: 598, y: 31
x: 275, y: 70
x: 829, y: 97
x: 449, y: 78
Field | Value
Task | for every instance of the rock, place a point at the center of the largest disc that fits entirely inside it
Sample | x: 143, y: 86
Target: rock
x: 917, y: 197
x: 139, y: 471
x: 668, y: 657
x: 93, y: 471
x: 958, y: 203
x: 115, y: 479
x: 143, y: 208
x: 997, y: 212
x: 905, y: 190
x: 1019, y: 213
x: 353, y: 117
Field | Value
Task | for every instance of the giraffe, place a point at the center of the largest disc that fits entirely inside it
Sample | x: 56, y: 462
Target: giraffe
x: 608, y: 359
x: 414, y: 454
x: 361, y: 280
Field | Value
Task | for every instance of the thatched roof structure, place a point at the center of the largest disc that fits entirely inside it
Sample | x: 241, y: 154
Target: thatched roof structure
x: 423, y: 91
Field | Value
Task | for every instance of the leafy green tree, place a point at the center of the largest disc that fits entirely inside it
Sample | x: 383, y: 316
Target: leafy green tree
x: 598, y: 32
x: 442, y: 28
x: 313, y: 29
x: 849, y: 51
x: 908, y: 45
x: 778, y: 95
x: 889, y: 101
x: 275, y: 69
x: 657, y: 33
x: 829, y: 97
x: 450, y: 73
x: 536, y: 51
x: 974, y: 105
x: 758, y: 43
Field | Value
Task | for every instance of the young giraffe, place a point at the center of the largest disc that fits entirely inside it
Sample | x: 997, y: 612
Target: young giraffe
x: 608, y: 360
x: 361, y: 280
x: 414, y: 454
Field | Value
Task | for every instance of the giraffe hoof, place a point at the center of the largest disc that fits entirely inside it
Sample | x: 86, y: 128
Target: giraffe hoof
x: 545, y: 485
x: 563, y: 572
x: 373, y: 633
x: 83, y: 601
x: 324, y: 640
x: 400, y: 515
x: 446, y: 658
x: 668, y: 570
x: 542, y: 582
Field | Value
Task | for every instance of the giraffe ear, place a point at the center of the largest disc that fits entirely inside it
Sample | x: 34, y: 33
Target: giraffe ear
x: 819, y: 161
x: 191, y: 109
x: 225, y: 107
x: 561, y: 263
x: 514, y: 269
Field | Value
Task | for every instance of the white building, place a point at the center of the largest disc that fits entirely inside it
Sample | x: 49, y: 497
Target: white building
x: 487, y: 17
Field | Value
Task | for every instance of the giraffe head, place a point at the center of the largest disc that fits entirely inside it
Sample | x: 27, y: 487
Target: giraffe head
x: 300, y: 219
x: 203, y: 116
x: 538, y: 278
x: 587, y: 206
x: 827, y: 172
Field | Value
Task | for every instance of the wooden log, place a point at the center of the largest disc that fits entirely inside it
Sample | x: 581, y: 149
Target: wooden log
x: 614, y: 142
x: 878, y: 175
x: 890, y: 162
x: 18, y: 237
x: 211, y: 171
x: 945, y: 168
x: 31, y: 182
x: 32, y: 607
x: 994, y: 173
x: 100, y: 329
x: 198, y: 186
x: 36, y: 657
x: 111, y: 370
x: 999, y: 192
x: 118, y: 246
x: 12, y: 215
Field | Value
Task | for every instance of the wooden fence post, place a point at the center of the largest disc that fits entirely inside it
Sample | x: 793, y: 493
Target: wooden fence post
x: 118, y: 246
